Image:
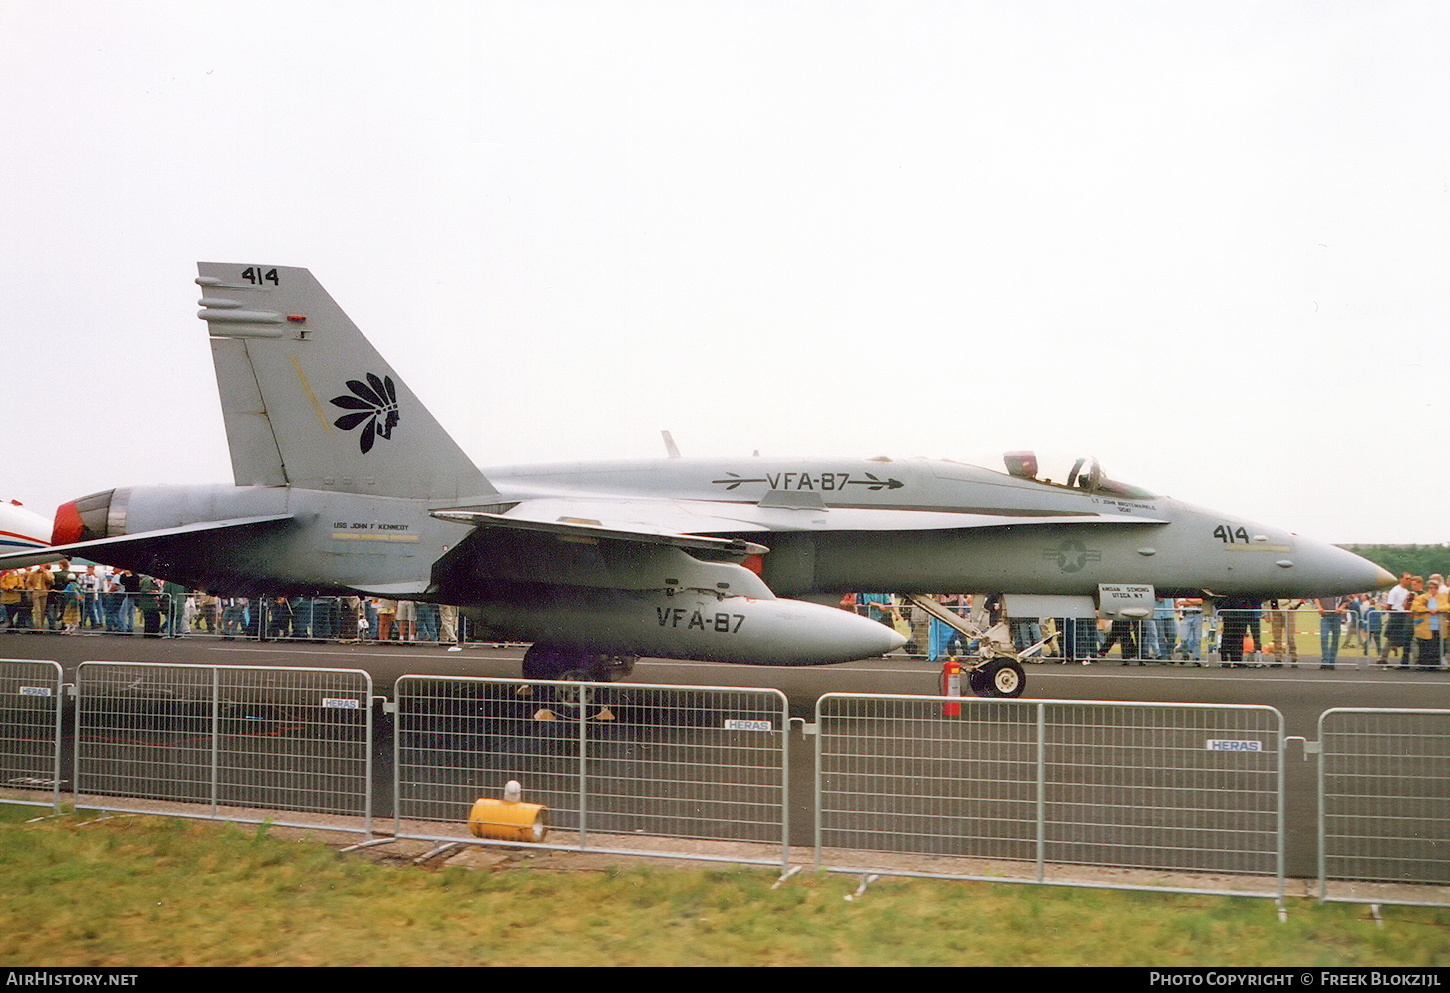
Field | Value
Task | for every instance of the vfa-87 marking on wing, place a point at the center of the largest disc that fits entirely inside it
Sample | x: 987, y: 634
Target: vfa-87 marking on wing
x: 345, y: 484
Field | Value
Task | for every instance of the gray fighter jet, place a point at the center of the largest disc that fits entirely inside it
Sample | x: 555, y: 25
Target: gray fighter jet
x: 345, y: 484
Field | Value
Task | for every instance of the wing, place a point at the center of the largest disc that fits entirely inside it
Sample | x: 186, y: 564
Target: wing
x: 625, y: 545
x: 588, y: 529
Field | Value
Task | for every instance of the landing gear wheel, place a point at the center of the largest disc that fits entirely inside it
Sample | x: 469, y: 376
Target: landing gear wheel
x: 547, y: 661
x: 575, y: 664
x: 617, y: 667
x: 1003, y: 678
x: 568, y: 690
x: 977, y: 680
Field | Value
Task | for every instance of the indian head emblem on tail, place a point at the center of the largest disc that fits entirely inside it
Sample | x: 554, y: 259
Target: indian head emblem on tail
x: 728, y: 560
x: 376, y: 403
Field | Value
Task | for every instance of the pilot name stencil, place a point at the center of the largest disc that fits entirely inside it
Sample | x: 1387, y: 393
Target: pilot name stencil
x: 1123, y: 506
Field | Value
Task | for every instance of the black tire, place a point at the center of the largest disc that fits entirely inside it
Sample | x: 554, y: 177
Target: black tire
x: 545, y: 662
x: 576, y: 664
x: 554, y: 661
x: 617, y: 667
x: 1003, y: 678
x: 567, y: 692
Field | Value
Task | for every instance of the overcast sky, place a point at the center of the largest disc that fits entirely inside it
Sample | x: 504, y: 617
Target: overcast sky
x: 1205, y: 242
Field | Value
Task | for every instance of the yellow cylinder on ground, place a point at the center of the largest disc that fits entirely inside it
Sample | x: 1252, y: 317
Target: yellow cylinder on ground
x: 505, y: 821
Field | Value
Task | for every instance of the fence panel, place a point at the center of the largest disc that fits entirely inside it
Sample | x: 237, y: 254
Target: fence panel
x: 1384, y: 810
x: 1027, y: 790
x: 696, y: 772
x: 265, y: 738
x: 30, y: 709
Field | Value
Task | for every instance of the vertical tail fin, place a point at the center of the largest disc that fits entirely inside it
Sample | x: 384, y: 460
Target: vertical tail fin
x: 308, y: 402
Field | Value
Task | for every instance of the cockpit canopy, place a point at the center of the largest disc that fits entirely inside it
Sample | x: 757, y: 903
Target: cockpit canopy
x: 1083, y: 473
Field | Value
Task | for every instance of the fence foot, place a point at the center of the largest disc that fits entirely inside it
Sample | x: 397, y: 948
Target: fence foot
x: 788, y: 873
x: 436, y: 851
x: 106, y: 816
x: 369, y: 844
x: 866, y: 881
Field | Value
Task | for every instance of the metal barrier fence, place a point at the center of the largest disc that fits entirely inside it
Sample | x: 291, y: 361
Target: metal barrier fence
x: 30, y: 710
x: 1066, y: 792
x: 1384, y: 810
x: 188, y: 736
x: 1037, y: 791
x: 623, y: 768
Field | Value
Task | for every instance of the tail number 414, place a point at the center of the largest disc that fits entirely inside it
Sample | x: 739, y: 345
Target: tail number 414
x: 258, y: 276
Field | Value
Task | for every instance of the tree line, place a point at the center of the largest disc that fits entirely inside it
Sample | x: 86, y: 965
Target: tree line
x: 1417, y: 560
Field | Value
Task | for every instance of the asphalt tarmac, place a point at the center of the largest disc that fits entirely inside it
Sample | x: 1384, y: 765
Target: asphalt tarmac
x: 1300, y: 694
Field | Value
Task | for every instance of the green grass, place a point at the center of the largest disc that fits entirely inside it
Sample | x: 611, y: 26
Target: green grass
x: 134, y: 891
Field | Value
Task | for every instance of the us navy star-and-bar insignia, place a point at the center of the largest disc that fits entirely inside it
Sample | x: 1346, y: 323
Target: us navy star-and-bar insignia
x: 374, y: 402
x: 1072, y: 555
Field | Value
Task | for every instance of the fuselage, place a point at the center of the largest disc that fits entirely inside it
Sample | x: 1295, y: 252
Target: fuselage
x: 831, y: 526
x: 919, y: 525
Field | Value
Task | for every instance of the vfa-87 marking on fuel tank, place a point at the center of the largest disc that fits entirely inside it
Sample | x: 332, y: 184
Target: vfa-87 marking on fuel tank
x: 598, y: 563
x: 720, y: 622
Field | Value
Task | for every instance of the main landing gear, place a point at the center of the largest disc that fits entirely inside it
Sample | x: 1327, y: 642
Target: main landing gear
x: 569, y: 667
x: 575, y: 664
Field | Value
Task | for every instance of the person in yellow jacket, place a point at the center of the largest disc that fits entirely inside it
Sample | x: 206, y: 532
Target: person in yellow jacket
x: 1430, y: 612
x: 13, y: 599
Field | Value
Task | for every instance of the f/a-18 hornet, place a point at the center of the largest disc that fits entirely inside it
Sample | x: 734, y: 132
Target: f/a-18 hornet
x: 345, y: 484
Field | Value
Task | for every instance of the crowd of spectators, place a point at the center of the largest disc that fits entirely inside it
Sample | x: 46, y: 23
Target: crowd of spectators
x: 107, y: 601
x: 1406, y: 623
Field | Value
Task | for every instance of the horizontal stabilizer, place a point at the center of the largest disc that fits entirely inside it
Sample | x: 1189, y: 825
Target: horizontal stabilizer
x: 104, y: 549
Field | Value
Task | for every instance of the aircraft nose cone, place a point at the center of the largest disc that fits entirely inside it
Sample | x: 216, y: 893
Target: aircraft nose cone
x: 1366, y: 574
x: 1319, y: 569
